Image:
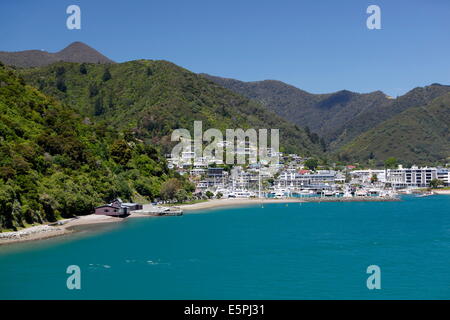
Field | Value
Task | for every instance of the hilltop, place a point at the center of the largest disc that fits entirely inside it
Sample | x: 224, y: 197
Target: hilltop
x: 75, y: 52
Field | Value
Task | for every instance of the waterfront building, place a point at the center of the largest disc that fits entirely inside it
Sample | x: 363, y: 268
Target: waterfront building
x: 117, y: 208
x: 411, y: 177
x: 365, y: 176
x: 444, y: 175
x: 321, y: 179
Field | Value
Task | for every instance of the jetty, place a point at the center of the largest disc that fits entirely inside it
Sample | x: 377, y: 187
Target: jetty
x: 152, y: 210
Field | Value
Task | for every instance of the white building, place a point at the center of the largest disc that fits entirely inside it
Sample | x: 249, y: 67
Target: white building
x: 410, y: 177
x: 444, y: 175
x: 365, y: 176
x: 294, y: 180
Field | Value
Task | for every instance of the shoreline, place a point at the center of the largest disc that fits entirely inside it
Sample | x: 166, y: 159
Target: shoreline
x: 437, y: 191
x: 74, y: 225
x: 55, y: 229
x: 216, y: 203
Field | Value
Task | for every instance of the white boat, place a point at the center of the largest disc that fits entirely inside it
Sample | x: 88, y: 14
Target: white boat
x: 242, y: 194
x: 347, y: 194
x: 279, y: 195
x: 425, y: 194
x: 361, y: 193
x: 388, y: 193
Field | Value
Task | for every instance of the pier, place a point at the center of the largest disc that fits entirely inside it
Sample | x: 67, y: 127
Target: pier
x: 156, y: 211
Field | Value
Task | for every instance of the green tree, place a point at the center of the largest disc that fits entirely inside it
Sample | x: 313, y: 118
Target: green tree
x: 98, y: 107
x: 219, y: 195
x: 436, y: 183
x: 181, y: 195
x: 61, y: 84
x: 170, y: 188
x: 391, y: 163
x: 60, y: 71
x: 121, y: 152
x: 311, y: 164
x: 106, y: 75
x: 7, y: 196
x: 93, y: 90
x: 83, y: 69
x: 209, y: 194
x: 323, y: 144
x: 373, y: 178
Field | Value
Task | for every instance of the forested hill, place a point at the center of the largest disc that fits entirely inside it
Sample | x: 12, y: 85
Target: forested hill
x: 338, y: 117
x: 419, y: 135
x: 55, y: 164
x: 151, y: 98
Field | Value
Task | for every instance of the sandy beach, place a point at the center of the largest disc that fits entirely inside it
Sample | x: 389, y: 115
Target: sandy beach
x: 215, y: 203
x: 67, y: 226
x: 251, y: 201
x: 437, y: 191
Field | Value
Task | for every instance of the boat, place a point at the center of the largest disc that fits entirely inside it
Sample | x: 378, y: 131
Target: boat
x: 347, y: 194
x: 361, y: 193
x: 425, y: 194
x: 241, y: 194
x: 279, y: 195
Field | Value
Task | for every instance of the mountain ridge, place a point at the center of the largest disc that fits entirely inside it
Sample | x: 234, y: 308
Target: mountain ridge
x: 340, y: 116
x: 418, y: 135
x: 75, y: 52
x: 152, y: 98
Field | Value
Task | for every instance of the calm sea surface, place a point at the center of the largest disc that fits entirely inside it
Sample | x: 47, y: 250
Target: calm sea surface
x: 294, y: 251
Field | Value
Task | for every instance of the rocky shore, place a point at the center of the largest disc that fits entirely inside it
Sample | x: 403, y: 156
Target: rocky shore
x: 28, y: 232
x: 59, y: 228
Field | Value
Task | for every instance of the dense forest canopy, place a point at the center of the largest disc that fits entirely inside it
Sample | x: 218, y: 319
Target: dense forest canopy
x: 152, y: 98
x: 55, y: 163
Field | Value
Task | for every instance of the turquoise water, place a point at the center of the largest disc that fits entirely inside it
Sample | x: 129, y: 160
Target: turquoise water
x: 294, y: 251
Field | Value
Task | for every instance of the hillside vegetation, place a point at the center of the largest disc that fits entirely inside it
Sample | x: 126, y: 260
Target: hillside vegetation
x: 151, y: 98
x: 419, y: 135
x: 338, y: 117
x: 53, y: 164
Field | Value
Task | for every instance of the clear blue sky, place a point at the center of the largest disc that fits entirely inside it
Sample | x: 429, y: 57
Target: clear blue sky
x: 316, y: 45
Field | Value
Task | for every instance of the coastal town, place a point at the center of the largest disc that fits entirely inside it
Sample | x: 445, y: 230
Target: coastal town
x: 292, y: 179
x: 295, y: 176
